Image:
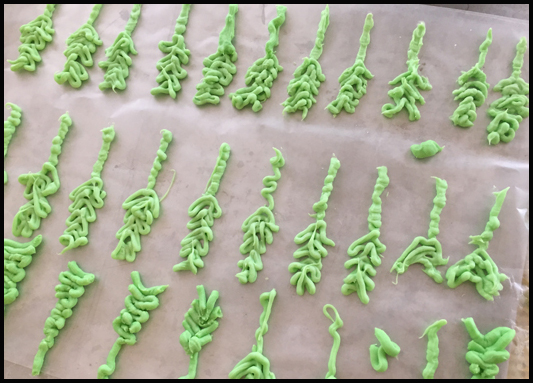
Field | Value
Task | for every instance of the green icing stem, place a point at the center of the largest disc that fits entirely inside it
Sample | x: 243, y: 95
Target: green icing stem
x: 406, y: 94
x: 34, y: 37
x: 200, y: 322
x: 427, y: 251
x: 308, y: 76
x: 259, y: 226
x: 378, y: 354
x: 17, y: 256
x: 118, y: 60
x: 203, y: 212
x: 307, y: 272
x: 478, y: 267
x: 261, y: 75
x: 170, y: 66
x: 80, y: 47
x: 474, y: 89
x: 86, y: 198
x: 130, y: 320
x: 71, y: 288
x: 219, y: 67
x: 432, y: 354
x: 366, y: 251
x: 10, y: 126
x: 485, y: 351
x: 508, y: 111
x: 337, y: 324
x: 426, y: 149
x: 353, y: 80
x: 255, y: 365
x: 39, y: 186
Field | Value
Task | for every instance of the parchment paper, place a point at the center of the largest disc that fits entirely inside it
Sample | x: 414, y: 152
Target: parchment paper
x: 297, y: 343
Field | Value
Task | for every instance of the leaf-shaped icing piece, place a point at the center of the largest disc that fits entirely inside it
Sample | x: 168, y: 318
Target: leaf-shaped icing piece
x: 426, y: 149
x: 432, y: 354
x: 378, y: 354
x: 337, y: 324
x: 10, y: 126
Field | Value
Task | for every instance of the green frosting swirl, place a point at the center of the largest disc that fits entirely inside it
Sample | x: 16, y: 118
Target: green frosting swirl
x: 406, y: 94
x: 426, y: 149
x: 10, y: 126
x: 261, y: 75
x: 39, y: 186
x: 259, y: 226
x: 86, y: 198
x: 378, y: 354
x: 170, y: 66
x: 307, y: 272
x: 337, y: 324
x: 432, y: 354
x: 353, y: 80
x: 34, y: 36
x: 71, y: 288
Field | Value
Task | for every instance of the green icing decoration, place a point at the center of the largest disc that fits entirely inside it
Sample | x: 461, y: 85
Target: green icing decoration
x: 307, y: 272
x: 261, y: 75
x: 259, y: 226
x: 71, y: 288
x: 427, y: 251
x: 130, y: 320
x: 353, y: 80
x: 219, y: 67
x: 86, y: 198
x: 80, y: 47
x: 308, y: 76
x: 118, y: 60
x: 203, y: 212
x: 142, y: 207
x: 17, y: 256
x: 170, y: 66
x: 200, y: 322
x: 337, y: 324
x: 39, y: 186
x: 378, y: 355
x: 474, y: 89
x: 478, y: 267
x: 432, y: 354
x: 10, y: 126
x: 485, y: 351
x: 406, y: 94
x: 426, y: 149
x: 34, y: 36
x: 508, y: 111
x: 366, y: 251
x: 255, y: 365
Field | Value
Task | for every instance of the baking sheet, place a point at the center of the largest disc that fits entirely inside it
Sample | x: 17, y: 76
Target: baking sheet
x: 298, y: 343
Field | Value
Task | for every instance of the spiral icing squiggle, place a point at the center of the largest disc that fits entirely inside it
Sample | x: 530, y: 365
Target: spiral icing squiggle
x: 10, y: 126
x: 432, y: 354
x: 337, y: 324
x: 378, y: 354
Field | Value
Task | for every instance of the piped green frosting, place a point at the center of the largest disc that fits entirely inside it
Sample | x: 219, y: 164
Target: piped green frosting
x: 337, y: 324
x: 10, y: 125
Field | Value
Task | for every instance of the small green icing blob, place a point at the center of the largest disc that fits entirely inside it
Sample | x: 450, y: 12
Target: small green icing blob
x: 432, y: 354
x: 486, y: 351
x: 219, y: 67
x: 203, y: 213
x: 118, y: 60
x: 80, y: 47
x: 478, y: 267
x: 142, y: 207
x: 200, y: 322
x: 39, y: 186
x: 426, y: 149
x: 308, y: 76
x: 407, y: 94
x: 337, y: 324
x: 255, y: 365
x: 474, y: 89
x: 427, y: 251
x: 508, y: 111
x: 129, y: 322
x: 17, y: 256
x: 71, y: 288
x: 261, y: 75
x: 378, y: 354
x: 366, y: 251
x: 86, y: 198
x: 353, y: 80
x: 10, y: 126
x: 259, y: 226
x: 170, y: 66
x: 313, y: 239
x: 34, y: 36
